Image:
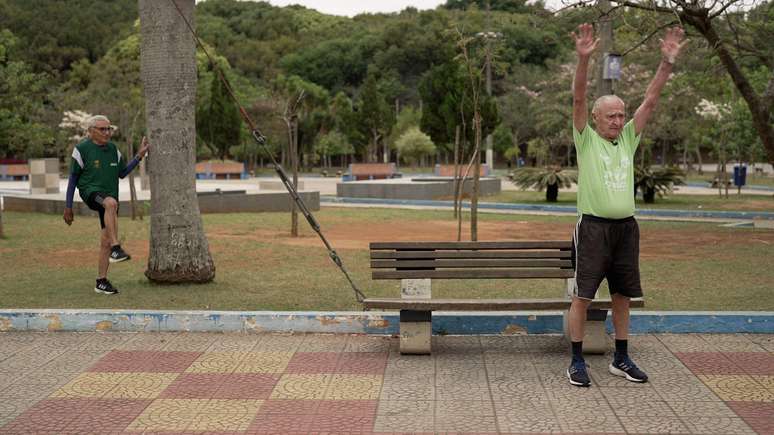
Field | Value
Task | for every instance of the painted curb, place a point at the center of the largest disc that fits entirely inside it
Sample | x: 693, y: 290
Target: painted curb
x: 562, y: 209
x: 371, y: 322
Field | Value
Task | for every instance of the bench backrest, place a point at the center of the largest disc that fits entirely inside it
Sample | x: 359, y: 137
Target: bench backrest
x: 458, y: 260
x: 219, y: 168
x: 366, y: 171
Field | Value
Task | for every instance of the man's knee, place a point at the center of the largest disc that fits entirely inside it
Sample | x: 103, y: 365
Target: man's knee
x: 580, y: 303
x: 110, y: 204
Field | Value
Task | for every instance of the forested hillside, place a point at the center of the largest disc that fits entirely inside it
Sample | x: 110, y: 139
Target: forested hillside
x: 368, y: 81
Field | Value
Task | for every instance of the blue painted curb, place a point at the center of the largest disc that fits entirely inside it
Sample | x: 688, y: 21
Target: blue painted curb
x: 571, y: 210
x: 370, y: 322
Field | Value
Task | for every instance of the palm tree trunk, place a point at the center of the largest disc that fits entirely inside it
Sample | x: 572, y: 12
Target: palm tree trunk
x: 179, y: 251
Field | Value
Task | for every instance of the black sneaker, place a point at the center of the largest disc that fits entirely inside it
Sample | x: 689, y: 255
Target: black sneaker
x: 577, y: 374
x: 105, y: 287
x: 625, y: 368
x: 118, y: 255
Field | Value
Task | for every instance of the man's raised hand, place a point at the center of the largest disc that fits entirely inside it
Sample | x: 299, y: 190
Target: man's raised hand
x: 672, y: 43
x: 585, y: 43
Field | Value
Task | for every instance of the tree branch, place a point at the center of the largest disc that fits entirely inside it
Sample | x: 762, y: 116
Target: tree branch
x: 723, y: 9
x: 648, y: 37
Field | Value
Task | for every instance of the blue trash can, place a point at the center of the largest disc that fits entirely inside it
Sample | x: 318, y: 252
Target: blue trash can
x: 740, y: 175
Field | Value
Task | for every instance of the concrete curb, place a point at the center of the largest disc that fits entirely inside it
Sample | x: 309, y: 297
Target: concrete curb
x: 559, y: 209
x: 370, y: 322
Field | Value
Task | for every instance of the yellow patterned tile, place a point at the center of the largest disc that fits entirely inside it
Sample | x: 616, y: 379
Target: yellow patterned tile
x: 225, y: 415
x: 738, y: 388
x: 765, y: 380
x: 354, y: 387
x: 301, y: 387
x: 90, y: 384
x: 168, y: 414
x: 141, y: 386
x: 216, y: 362
x: 264, y: 362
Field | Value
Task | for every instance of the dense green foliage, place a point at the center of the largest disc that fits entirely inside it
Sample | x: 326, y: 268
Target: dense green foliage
x: 361, y: 73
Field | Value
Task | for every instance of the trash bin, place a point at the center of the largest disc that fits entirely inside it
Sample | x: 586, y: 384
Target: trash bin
x: 740, y: 175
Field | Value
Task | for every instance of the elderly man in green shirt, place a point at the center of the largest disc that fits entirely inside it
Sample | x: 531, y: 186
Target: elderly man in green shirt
x: 606, y: 237
x: 95, y: 169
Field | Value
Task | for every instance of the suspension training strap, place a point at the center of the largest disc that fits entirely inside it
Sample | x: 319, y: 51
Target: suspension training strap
x: 261, y: 140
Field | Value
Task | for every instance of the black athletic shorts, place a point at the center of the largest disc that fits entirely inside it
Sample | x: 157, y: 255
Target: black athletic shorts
x: 95, y: 202
x: 606, y: 248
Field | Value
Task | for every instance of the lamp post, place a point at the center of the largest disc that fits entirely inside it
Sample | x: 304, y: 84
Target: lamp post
x: 604, y: 84
x: 488, y: 37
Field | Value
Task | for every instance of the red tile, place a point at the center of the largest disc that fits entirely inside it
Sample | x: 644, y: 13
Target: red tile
x: 107, y: 415
x: 144, y: 361
x: 351, y: 423
x: 194, y: 386
x: 362, y: 363
x: 709, y: 363
x: 246, y: 386
x: 753, y: 363
x: 291, y: 407
x: 347, y: 407
x: 312, y: 362
x: 280, y: 423
x: 48, y: 416
x: 759, y: 415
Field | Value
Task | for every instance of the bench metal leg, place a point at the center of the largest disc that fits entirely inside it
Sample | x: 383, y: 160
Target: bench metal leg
x: 595, y: 339
x: 416, y: 332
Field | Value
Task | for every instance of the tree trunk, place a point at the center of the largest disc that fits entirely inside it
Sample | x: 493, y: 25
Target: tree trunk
x: 759, y: 107
x: 1, y: 218
x: 179, y: 251
x: 649, y: 195
x: 456, y: 169
x: 552, y: 192
x: 476, y: 179
x: 294, y: 164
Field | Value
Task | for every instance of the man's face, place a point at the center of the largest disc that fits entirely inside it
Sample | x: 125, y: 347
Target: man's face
x: 609, y: 118
x: 101, y: 132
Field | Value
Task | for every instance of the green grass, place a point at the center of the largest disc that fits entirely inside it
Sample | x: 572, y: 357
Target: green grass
x: 752, y: 180
x: 674, y: 202
x: 45, y: 264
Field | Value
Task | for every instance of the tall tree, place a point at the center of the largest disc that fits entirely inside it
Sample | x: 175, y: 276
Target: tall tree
x: 179, y: 251
x: 732, y: 36
x: 375, y: 115
x: 218, y: 121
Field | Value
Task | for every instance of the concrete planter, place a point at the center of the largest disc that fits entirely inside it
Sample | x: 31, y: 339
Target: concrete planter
x: 44, y: 176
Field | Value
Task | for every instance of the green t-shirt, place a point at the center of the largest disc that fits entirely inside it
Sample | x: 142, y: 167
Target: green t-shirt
x: 97, y: 168
x: 606, y: 172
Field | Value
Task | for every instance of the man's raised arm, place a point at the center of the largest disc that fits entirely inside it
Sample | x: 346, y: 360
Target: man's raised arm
x: 670, y: 47
x: 585, y: 43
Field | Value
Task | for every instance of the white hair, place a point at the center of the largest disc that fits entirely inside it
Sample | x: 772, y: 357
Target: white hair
x: 92, y: 121
x: 604, y: 99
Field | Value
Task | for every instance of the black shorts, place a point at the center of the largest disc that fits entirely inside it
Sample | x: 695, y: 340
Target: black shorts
x: 606, y: 248
x: 95, y: 202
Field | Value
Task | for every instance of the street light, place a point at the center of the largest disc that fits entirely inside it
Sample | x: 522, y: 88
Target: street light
x: 489, y: 36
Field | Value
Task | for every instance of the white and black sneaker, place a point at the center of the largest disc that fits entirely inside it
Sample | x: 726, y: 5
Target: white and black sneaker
x: 577, y: 373
x: 118, y: 255
x: 625, y: 368
x: 105, y: 287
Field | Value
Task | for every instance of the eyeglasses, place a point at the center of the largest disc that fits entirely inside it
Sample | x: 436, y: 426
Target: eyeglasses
x: 104, y: 129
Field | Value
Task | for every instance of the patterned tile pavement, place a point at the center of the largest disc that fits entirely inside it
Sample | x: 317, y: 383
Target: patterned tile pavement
x: 197, y: 383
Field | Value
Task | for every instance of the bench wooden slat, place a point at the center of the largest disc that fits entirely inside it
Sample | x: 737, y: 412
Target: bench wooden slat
x: 473, y: 274
x: 548, y: 244
x: 484, y: 262
x: 469, y: 254
x: 484, y: 304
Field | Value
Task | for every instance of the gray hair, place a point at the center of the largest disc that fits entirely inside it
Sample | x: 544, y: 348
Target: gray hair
x: 92, y: 122
x: 604, y: 99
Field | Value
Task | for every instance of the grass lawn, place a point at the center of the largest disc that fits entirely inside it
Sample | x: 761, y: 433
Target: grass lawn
x: 45, y: 264
x: 674, y: 202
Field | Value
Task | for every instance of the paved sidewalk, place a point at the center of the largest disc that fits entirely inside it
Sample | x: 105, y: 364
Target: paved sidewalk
x: 77, y: 383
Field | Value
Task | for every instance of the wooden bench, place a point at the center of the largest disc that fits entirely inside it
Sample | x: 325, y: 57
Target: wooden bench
x: 371, y: 171
x: 417, y: 263
x: 220, y: 171
x: 14, y: 172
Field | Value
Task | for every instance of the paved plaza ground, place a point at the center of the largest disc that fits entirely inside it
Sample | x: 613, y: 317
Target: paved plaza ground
x: 77, y: 383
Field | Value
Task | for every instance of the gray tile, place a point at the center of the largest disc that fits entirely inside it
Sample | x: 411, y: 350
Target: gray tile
x: 405, y: 424
x: 717, y: 425
x: 464, y: 408
x: 694, y: 408
x: 653, y: 425
x: 526, y: 416
x: 408, y: 408
x: 465, y: 423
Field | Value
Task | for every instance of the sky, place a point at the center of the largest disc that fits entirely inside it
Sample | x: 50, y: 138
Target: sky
x: 351, y: 8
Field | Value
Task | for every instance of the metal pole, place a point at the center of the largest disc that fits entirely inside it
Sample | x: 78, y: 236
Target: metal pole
x: 489, y: 145
x: 605, y: 32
